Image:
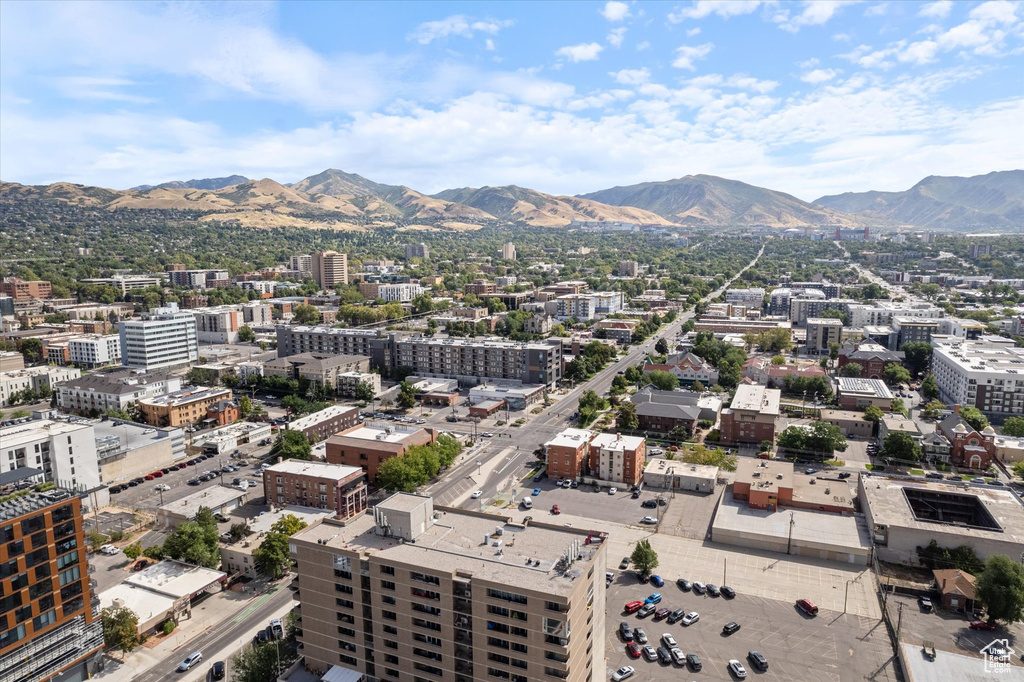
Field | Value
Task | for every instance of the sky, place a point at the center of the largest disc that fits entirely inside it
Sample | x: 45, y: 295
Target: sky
x: 809, y: 97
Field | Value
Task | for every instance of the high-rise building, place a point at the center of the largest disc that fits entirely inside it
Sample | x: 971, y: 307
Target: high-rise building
x: 166, y: 337
x: 980, y: 250
x: 19, y: 289
x: 629, y: 268
x: 821, y: 333
x: 508, y: 251
x: 407, y: 593
x: 417, y: 251
x: 49, y: 615
x: 59, y: 452
x: 330, y: 268
x: 987, y: 374
x: 302, y: 263
x: 469, y: 360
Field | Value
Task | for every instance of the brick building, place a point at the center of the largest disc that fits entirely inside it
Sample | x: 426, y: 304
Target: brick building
x: 224, y: 412
x: 567, y: 453
x: 873, y: 357
x: 751, y: 417
x: 186, y: 406
x: 368, y: 445
x: 19, y: 289
x: 313, y: 484
x: 325, y: 423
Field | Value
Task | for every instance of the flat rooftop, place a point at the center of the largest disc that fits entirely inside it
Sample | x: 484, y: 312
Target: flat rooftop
x: 614, y: 441
x: 664, y: 467
x: 756, y: 398
x: 571, y: 438
x: 186, y: 395
x: 380, y: 431
x: 305, y: 468
x: 982, y: 355
x: 888, y: 502
x: 15, y: 436
x: 823, y: 529
x: 263, y: 522
x: 212, y: 498
x: 456, y: 543
x: 832, y: 492
x: 764, y: 474
x: 27, y: 504
x: 146, y: 604
x: 323, y: 415
x: 868, y: 387
x: 174, y: 579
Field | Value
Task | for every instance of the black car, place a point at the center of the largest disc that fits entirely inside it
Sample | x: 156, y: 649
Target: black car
x: 676, y: 615
x: 624, y: 564
x: 953, y: 477
x: 194, y: 481
x: 730, y: 628
x: 649, y: 504
x: 132, y: 484
x: 165, y: 470
x: 626, y: 631
x: 262, y: 637
x: 713, y: 590
x: 757, y: 660
x: 693, y: 660
x: 217, y: 671
x: 846, y: 474
x: 664, y: 655
x: 139, y: 481
x: 683, y: 584
x: 728, y: 591
x: 933, y: 474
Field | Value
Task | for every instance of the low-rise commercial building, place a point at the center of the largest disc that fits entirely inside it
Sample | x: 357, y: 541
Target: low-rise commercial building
x: 515, y: 603
x: 232, y: 436
x: 126, y: 450
x: 94, y: 350
x: 854, y: 393
x: 220, y: 499
x: 236, y: 558
x: 662, y: 474
x: 567, y: 453
x: 367, y: 445
x: 615, y: 458
x: 116, y: 389
x: 181, y: 408
x: 337, y: 487
x: 163, y: 592
x: 849, y: 422
x: 751, y: 416
x: 517, y: 398
x: 321, y: 425
x: 771, y: 484
x: 897, y: 423
x: 872, y: 357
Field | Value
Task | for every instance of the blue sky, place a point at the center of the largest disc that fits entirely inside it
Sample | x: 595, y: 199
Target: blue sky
x: 810, y: 98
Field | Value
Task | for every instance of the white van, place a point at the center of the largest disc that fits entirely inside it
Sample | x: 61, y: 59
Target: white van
x: 527, y: 503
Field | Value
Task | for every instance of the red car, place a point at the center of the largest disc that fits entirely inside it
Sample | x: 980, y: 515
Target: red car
x: 982, y: 625
x: 633, y: 606
x: 662, y: 613
x: 555, y: 510
x: 633, y: 649
x: 140, y: 564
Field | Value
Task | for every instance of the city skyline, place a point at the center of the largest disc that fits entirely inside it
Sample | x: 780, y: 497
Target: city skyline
x: 809, y: 98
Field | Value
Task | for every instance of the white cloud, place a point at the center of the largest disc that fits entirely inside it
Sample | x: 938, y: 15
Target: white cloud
x: 615, y: 11
x: 691, y: 32
x: 878, y: 10
x: 584, y: 52
x: 921, y: 52
x: 456, y: 25
x: 616, y: 36
x: 937, y: 10
x: 631, y: 76
x: 489, y: 44
x: 996, y: 11
x: 92, y: 88
x: 744, y: 82
x: 818, y: 76
x: 686, y: 54
x: 809, y: 63
x: 723, y: 8
x: 814, y: 13
x: 642, y: 46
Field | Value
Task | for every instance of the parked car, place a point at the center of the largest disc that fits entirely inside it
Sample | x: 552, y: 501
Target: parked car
x: 536, y: 491
x: 140, y: 564
x: 664, y: 656
x: 646, y: 610
x: 933, y: 474
x: 758, y: 660
x: 807, y: 606
x: 261, y: 637
x: 649, y: 504
x: 633, y: 649
x: 981, y: 625
x: 555, y: 510
x: 698, y: 587
x: 639, y: 636
x: 633, y: 606
x: 676, y: 615
x: 662, y: 613
x: 668, y: 640
x: 649, y: 653
x: 277, y: 628
x: 657, y: 581
x: 477, y: 494
x: 190, y: 661
x: 691, y: 618
x: 847, y: 474
x: 683, y: 584
x: 678, y: 657
x: 623, y: 673
x: 713, y: 590
x: 730, y: 627
x: 612, y: 491
x: 161, y: 486
x: 737, y: 669
x: 648, y: 520
x: 626, y: 631
x: 925, y: 603
x: 624, y: 564
x: 693, y: 660
x: 109, y: 549
x: 217, y: 671
x: 728, y: 591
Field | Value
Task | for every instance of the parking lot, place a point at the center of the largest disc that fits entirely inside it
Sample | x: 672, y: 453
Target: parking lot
x: 949, y: 630
x: 146, y: 496
x: 108, y: 521
x: 831, y: 647
x: 688, y: 514
x: 584, y: 501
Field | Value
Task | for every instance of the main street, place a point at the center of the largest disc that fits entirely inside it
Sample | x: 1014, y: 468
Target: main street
x: 515, y: 445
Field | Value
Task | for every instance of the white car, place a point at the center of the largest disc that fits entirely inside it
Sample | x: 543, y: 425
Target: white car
x: 193, y: 659
x: 477, y: 494
x: 668, y: 640
x: 161, y: 486
x: 623, y: 673
x: 737, y: 669
x: 109, y: 549
x: 649, y: 520
x: 612, y: 491
x: 691, y: 618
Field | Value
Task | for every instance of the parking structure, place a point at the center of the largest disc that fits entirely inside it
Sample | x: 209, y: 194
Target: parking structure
x: 832, y: 647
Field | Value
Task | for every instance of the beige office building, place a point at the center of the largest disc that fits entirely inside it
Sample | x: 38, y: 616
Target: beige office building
x: 330, y: 268
x: 405, y: 592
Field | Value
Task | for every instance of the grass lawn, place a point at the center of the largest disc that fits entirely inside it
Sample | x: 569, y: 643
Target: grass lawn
x: 917, y: 472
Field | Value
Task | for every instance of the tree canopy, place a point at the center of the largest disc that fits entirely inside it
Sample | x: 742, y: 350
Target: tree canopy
x: 644, y: 558
x: 1013, y: 426
x: 818, y: 437
x: 627, y: 418
x: 701, y: 454
x: 419, y: 465
x: 120, y: 628
x: 851, y: 369
x: 1001, y: 589
x: 974, y: 417
x: 292, y: 445
x: 662, y: 380
x: 901, y: 446
x: 917, y: 355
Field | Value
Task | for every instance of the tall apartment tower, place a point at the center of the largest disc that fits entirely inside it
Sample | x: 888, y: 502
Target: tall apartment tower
x: 416, y: 251
x: 407, y: 593
x: 166, y: 337
x: 50, y: 617
x: 508, y: 251
x: 330, y: 268
x: 302, y: 263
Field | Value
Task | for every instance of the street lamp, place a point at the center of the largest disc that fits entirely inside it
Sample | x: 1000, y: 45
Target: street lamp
x: 479, y: 467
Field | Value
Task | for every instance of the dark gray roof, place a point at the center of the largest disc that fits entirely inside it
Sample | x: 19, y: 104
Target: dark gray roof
x: 650, y: 394
x: 19, y: 474
x: 667, y: 410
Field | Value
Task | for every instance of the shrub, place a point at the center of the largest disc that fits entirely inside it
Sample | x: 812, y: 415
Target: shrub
x: 714, y: 436
x: 500, y: 422
x: 705, y: 424
x: 168, y: 627
x: 116, y: 536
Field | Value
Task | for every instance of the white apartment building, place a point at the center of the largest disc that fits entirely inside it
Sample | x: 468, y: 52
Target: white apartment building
x: 95, y: 350
x: 64, y: 452
x: 128, y: 283
x: 588, y: 306
x: 752, y: 297
x: 401, y: 292
x: 883, y: 312
x: 506, y: 281
x: 166, y: 337
x: 987, y: 373
x: 257, y: 314
x: 36, y: 378
x: 112, y: 390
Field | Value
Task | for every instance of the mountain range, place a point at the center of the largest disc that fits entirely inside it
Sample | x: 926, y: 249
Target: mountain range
x: 335, y: 198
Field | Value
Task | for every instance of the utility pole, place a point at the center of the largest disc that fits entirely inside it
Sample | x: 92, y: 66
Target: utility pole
x: 846, y: 597
x: 725, y: 571
x: 789, y: 545
x: 899, y: 622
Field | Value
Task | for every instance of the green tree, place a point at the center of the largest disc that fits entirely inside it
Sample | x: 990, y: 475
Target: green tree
x: 627, y: 418
x: 661, y: 347
x: 260, y: 663
x: 901, y: 446
x: 698, y: 387
x: 894, y: 374
x: 700, y: 454
x: 644, y: 558
x: 1018, y: 469
x: 396, y: 474
x: 422, y: 303
x: 1001, y: 589
x: 779, y: 360
x: 917, y: 355
x: 133, y: 551
x: 873, y: 414
x: 364, y: 391
x: 962, y: 557
x: 271, y: 557
x: 930, y: 388
x: 193, y: 543
x: 246, y: 334
x: 974, y: 417
x: 851, y: 369
x: 933, y: 409
x: 662, y: 380
x: 120, y: 629
x: 32, y: 349
x: 1013, y: 426
x: 833, y: 351
x: 834, y: 314
x: 239, y: 531
x: 289, y: 524
x: 305, y: 314
x: 292, y: 445
x: 406, y: 395
x: 244, y: 406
